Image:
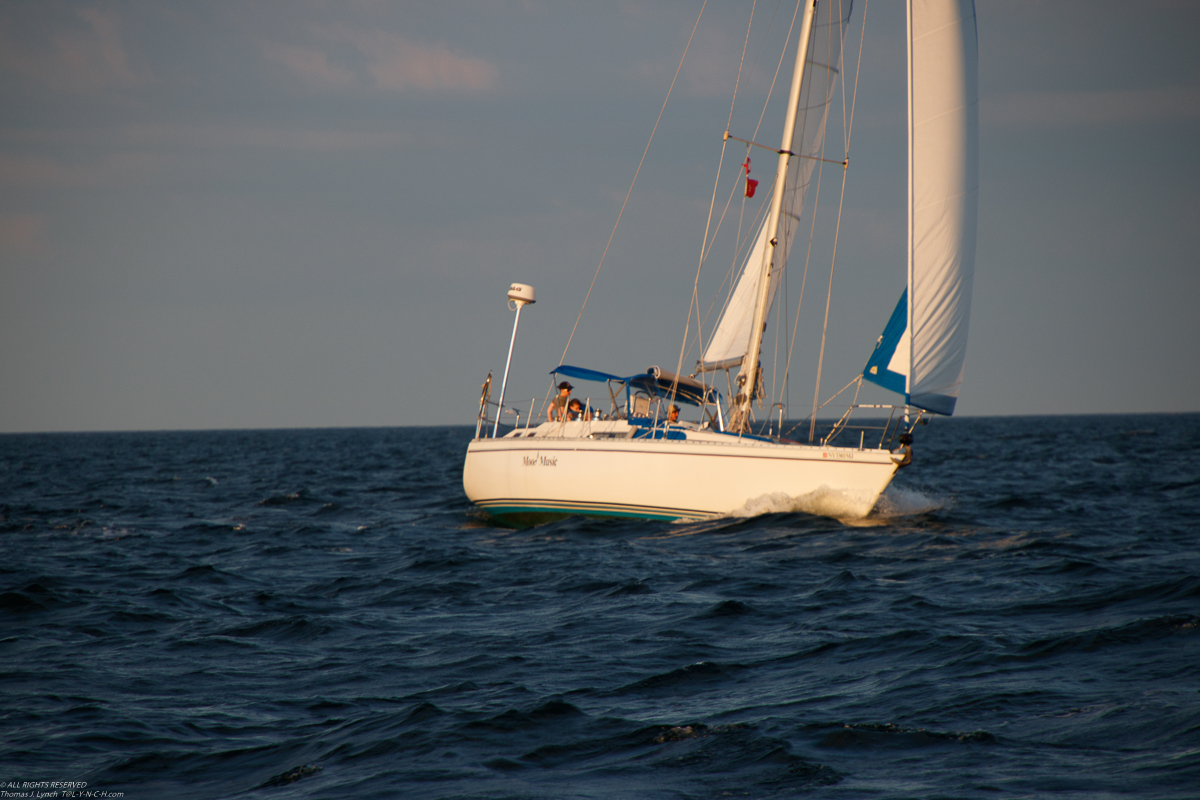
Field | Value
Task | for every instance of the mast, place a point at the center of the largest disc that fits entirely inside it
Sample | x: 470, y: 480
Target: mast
x: 747, y: 379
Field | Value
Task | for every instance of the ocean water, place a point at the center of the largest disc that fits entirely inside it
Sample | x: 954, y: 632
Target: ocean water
x: 322, y: 614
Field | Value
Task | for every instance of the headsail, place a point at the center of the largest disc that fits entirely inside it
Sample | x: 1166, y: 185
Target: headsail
x: 943, y: 186
x: 731, y: 337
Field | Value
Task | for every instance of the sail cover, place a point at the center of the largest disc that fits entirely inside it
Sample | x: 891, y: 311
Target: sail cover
x: 731, y: 337
x: 943, y: 186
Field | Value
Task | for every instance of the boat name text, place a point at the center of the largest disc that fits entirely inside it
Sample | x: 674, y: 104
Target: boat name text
x: 545, y: 461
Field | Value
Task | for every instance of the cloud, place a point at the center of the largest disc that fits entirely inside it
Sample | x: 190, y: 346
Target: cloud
x: 1108, y: 107
x: 78, y: 60
x: 388, y: 61
x: 209, y: 135
x: 398, y: 64
x: 257, y: 136
x: 42, y: 172
x: 143, y: 154
x: 310, y: 65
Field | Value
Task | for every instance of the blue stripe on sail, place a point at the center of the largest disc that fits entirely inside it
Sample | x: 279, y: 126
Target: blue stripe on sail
x: 876, y: 370
x: 937, y: 403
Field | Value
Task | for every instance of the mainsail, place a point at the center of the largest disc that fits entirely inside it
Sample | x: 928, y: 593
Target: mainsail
x: 730, y: 339
x: 732, y: 334
x: 923, y: 347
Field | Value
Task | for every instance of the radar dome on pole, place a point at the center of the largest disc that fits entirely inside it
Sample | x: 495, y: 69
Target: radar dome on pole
x: 519, y: 296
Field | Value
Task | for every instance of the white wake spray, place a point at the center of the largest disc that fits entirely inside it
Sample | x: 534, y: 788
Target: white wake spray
x: 849, y: 508
x: 823, y: 502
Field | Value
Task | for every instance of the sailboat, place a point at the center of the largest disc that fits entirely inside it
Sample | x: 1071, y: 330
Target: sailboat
x: 636, y: 459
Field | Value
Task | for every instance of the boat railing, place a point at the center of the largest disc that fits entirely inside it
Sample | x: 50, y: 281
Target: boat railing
x: 489, y: 410
x: 484, y: 418
x: 485, y: 400
x: 487, y: 417
x: 781, y: 409
x: 898, y: 420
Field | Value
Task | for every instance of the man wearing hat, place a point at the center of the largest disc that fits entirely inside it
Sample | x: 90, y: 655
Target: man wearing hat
x: 558, y: 405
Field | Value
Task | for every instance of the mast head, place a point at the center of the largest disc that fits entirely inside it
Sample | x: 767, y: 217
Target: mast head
x: 520, y: 294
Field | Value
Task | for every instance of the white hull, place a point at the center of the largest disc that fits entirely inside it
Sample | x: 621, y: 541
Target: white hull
x: 595, y: 469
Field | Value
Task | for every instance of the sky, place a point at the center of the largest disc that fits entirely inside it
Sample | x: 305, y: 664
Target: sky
x: 282, y: 214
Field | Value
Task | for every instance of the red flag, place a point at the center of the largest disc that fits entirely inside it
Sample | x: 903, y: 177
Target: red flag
x: 747, y: 165
x: 751, y: 185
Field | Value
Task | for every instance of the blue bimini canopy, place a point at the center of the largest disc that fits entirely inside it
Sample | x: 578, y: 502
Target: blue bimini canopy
x: 654, y: 381
x: 660, y: 383
x: 581, y: 374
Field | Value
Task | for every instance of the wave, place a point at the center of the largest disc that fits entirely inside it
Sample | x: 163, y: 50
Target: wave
x: 868, y: 735
x: 822, y: 502
x: 850, y: 508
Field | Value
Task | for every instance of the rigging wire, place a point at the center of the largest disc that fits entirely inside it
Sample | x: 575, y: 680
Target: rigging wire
x: 709, y: 241
x: 730, y: 275
x: 816, y: 207
x: 838, y: 228
x: 828, y: 300
x: 634, y: 181
x: 821, y: 161
x: 704, y: 246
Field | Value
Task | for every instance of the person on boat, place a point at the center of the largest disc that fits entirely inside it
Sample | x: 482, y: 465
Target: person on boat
x: 903, y: 454
x: 673, y: 418
x: 575, y: 411
x: 558, y: 406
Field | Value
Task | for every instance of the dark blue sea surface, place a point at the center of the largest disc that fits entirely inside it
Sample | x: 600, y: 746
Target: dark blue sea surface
x: 322, y: 614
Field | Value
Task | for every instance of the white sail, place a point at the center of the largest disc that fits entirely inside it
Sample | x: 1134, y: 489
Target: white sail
x: 728, y: 343
x: 943, y: 195
x: 731, y: 337
x: 923, y: 346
